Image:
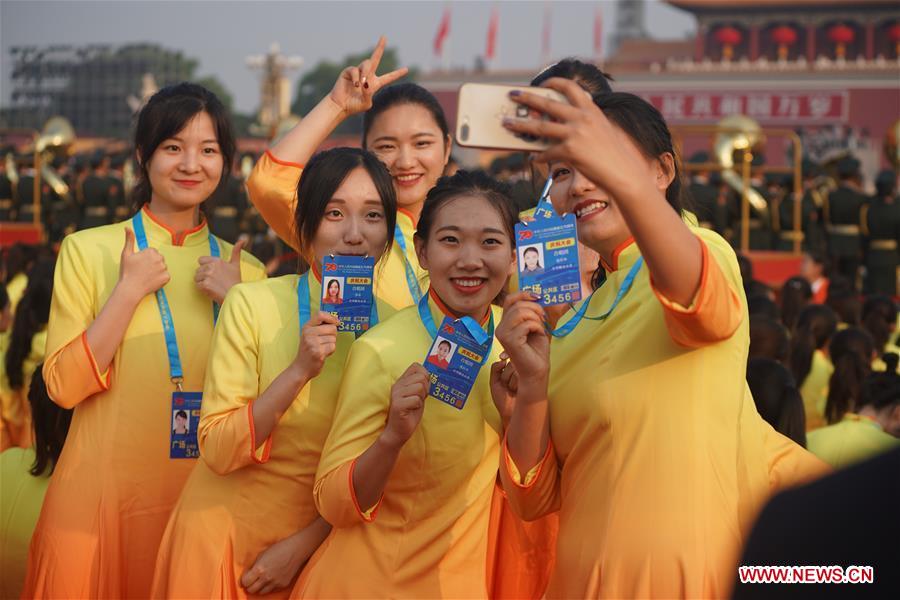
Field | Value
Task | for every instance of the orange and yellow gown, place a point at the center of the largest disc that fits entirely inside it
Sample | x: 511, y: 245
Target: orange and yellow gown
x: 658, y: 461
x: 114, y: 486
x: 247, y: 494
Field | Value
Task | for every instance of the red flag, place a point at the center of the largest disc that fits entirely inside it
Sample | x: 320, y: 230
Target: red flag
x: 442, y: 33
x: 598, y: 33
x: 491, y: 49
x: 545, y: 35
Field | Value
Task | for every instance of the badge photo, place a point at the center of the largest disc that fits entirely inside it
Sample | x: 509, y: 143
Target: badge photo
x: 347, y: 291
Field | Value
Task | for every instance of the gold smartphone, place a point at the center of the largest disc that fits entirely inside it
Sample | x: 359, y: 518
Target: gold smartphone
x: 482, y: 108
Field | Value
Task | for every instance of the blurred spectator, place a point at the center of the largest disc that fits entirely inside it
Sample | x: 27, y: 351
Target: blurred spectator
x: 852, y: 352
x: 809, y: 363
x: 762, y: 304
x: 848, y: 518
x: 879, y: 318
x: 813, y: 269
x: 795, y: 295
x: 25, y: 349
x: 870, y: 428
x: 768, y: 339
x: 752, y: 286
x: 843, y: 299
x: 25, y: 473
x: 842, y: 212
x: 776, y: 397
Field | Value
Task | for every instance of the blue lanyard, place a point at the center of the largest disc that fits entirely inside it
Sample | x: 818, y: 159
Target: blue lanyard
x: 572, y: 323
x: 176, y: 373
x: 480, y: 335
x: 411, y: 281
x: 303, y: 310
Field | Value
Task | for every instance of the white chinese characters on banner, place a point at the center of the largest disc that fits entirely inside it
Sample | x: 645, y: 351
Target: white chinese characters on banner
x: 786, y: 108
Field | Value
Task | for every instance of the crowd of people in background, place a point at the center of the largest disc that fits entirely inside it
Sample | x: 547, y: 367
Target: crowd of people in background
x: 822, y: 365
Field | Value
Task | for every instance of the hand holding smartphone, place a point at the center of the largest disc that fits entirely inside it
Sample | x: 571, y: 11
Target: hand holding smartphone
x: 482, y: 108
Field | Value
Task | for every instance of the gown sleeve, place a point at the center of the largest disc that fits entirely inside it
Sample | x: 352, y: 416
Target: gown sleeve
x: 226, y: 433
x: 360, y: 416
x: 70, y: 369
x: 716, y: 310
x: 537, y: 492
x: 272, y: 187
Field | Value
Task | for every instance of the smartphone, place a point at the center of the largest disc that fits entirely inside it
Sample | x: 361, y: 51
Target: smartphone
x: 481, y: 110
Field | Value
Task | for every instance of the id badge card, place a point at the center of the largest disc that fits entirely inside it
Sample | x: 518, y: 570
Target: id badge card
x: 547, y: 257
x: 347, y: 291
x: 185, y: 418
x: 454, y: 361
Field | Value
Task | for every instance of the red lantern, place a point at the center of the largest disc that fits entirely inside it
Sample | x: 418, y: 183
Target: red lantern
x: 784, y: 36
x: 841, y: 35
x: 894, y: 34
x: 729, y: 37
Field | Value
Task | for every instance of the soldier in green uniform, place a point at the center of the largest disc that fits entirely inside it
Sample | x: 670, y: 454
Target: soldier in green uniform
x: 783, y: 216
x: 6, y: 188
x: 881, y: 225
x: 227, y: 206
x: 23, y: 207
x: 95, y: 190
x: 841, y: 213
x: 703, y: 194
x: 117, y: 201
x: 63, y: 211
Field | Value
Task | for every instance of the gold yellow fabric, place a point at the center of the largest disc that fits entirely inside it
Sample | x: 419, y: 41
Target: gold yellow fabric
x: 239, y: 500
x: 855, y: 438
x: 428, y: 536
x: 659, y: 460
x: 115, y: 485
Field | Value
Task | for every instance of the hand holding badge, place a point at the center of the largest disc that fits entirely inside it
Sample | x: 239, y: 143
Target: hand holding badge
x: 547, y: 254
x: 347, y: 291
x: 458, y: 350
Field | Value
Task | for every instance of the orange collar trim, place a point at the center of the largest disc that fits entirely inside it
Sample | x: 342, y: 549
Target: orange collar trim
x: 449, y: 313
x: 177, y: 238
x: 615, y: 256
x: 412, y: 217
x: 283, y: 163
x: 862, y: 419
x: 316, y: 272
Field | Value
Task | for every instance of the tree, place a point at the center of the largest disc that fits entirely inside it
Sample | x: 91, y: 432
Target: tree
x: 317, y: 83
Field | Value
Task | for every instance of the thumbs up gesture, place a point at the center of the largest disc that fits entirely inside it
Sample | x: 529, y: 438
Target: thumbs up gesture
x: 141, y: 273
x: 215, y: 276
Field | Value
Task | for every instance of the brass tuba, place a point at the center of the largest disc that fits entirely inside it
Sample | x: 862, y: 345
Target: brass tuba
x: 54, y: 139
x: 739, y: 133
x: 892, y: 144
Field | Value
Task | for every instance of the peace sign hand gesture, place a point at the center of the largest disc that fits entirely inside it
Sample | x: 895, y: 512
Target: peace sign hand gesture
x: 355, y: 86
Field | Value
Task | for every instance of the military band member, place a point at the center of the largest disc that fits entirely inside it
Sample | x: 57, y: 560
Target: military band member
x: 842, y: 217
x: 96, y: 193
x: 118, y: 201
x: 881, y: 225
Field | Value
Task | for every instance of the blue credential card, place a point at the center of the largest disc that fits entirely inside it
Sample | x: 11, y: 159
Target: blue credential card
x: 547, y: 257
x: 185, y: 417
x: 347, y: 290
x: 454, y: 361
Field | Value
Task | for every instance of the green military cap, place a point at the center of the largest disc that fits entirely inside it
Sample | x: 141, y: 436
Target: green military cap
x: 773, y: 179
x: 118, y: 160
x: 847, y: 166
x: 699, y: 158
x: 759, y: 159
x: 810, y: 168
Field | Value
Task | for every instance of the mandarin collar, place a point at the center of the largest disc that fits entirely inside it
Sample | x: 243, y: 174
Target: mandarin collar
x: 160, y: 233
x: 623, y: 256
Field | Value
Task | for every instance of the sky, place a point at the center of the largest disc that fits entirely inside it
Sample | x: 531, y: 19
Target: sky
x: 222, y: 34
